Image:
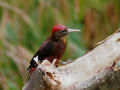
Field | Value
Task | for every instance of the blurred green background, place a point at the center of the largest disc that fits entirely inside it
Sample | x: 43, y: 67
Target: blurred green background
x: 25, y: 24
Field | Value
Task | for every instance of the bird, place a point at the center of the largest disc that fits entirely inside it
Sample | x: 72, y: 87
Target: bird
x: 52, y: 48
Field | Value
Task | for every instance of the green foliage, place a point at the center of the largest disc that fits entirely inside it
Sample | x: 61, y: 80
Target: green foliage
x: 24, y: 25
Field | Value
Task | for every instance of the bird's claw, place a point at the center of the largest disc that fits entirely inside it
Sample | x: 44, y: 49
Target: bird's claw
x: 69, y: 61
x: 65, y: 63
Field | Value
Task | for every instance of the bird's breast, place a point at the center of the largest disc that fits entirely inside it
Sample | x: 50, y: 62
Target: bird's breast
x: 58, y: 50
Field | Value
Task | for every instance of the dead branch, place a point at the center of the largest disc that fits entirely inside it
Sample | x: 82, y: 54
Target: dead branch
x: 96, y: 70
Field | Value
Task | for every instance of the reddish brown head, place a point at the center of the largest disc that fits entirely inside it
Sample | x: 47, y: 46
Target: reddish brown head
x: 57, y: 28
x: 60, y: 31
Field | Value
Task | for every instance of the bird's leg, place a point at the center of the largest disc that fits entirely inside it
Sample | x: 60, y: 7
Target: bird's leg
x: 69, y: 61
x: 61, y: 63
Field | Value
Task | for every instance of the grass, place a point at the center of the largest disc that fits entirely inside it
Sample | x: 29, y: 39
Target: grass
x: 24, y: 25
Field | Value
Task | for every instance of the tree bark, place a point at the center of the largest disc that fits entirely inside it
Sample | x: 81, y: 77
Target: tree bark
x: 97, y: 70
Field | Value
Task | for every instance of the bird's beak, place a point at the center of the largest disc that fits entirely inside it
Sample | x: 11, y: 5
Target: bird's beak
x: 72, y: 30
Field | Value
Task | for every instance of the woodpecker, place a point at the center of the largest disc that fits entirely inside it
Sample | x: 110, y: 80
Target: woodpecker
x: 52, y: 48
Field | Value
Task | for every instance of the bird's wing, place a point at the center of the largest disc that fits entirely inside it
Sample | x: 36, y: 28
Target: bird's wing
x: 45, y: 50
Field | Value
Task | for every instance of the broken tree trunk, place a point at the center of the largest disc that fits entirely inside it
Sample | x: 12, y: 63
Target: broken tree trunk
x: 96, y: 70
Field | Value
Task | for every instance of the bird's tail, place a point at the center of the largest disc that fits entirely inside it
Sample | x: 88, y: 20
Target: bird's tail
x: 30, y: 69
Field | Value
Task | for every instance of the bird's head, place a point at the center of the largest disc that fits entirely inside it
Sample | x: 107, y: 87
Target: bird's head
x: 60, y: 31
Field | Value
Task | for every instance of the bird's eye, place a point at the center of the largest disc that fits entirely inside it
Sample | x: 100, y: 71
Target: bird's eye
x: 63, y: 30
